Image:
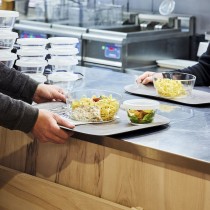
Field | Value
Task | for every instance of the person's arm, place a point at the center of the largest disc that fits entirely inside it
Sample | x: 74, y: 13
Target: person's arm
x: 16, y: 114
x: 17, y: 85
x: 200, y: 70
x: 44, y: 125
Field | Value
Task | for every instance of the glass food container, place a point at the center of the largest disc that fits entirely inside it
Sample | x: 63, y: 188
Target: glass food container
x: 173, y: 84
x: 140, y: 111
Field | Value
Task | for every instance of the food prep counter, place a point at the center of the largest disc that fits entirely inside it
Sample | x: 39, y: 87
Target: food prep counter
x: 166, y: 167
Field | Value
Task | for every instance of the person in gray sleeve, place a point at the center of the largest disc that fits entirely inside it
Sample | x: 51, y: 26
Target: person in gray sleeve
x: 201, y: 70
x: 17, y: 92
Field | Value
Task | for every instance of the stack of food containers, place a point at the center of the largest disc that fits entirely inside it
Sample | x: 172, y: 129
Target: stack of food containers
x: 32, y: 54
x: 7, y: 37
x: 63, y: 53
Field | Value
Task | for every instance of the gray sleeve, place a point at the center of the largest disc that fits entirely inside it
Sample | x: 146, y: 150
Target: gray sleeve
x: 17, y: 85
x: 16, y: 114
x: 201, y: 70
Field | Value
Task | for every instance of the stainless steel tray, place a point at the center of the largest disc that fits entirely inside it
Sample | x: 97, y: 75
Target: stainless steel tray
x: 197, y: 98
x: 117, y: 126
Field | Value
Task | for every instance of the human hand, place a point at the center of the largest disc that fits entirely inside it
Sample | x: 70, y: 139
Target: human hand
x: 46, y: 128
x: 47, y: 93
x: 145, y: 78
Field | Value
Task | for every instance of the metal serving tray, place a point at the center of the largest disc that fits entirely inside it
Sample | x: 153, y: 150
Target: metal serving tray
x: 197, y: 98
x: 117, y: 126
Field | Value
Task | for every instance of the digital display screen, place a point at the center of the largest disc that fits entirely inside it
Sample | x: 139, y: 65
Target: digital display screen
x: 26, y: 34
x: 112, y: 51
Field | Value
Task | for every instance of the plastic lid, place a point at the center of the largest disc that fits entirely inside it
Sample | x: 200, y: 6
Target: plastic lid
x: 71, y: 51
x: 63, y: 40
x: 8, y: 35
x: 140, y: 104
x: 167, y: 7
x: 31, y: 63
x: 63, y: 62
x: 32, y: 41
x: 7, y: 56
x: 8, y: 13
x: 32, y: 52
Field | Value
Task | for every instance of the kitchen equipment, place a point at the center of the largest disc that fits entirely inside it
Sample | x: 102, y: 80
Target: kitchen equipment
x: 31, y: 28
x: 175, y: 63
x: 136, y: 46
x: 207, y: 36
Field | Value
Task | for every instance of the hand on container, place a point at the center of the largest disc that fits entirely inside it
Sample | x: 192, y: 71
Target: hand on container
x: 46, y: 128
x: 47, y: 93
x: 145, y: 78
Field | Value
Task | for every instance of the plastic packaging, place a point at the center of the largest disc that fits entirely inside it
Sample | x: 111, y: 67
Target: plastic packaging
x: 29, y: 43
x: 63, y: 52
x: 31, y: 66
x: 7, y: 58
x: 62, y: 65
x: 33, y: 54
x: 63, y: 42
x: 7, y: 19
x: 7, y: 39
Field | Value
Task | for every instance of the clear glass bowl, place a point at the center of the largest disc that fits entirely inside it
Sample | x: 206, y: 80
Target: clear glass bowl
x: 173, y: 84
x: 92, y: 105
x: 140, y: 111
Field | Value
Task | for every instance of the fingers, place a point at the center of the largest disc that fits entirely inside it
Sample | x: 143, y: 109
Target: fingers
x: 145, y: 78
x: 63, y: 122
x: 46, y: 128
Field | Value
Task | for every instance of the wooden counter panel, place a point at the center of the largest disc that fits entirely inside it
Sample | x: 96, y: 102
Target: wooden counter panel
x: 22, y: 191
x: 113, y: 175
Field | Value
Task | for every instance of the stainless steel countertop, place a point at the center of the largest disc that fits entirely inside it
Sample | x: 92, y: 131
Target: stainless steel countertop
x: 184, y: 142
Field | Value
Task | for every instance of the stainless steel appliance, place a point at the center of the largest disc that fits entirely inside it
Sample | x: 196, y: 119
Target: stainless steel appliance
x: 138, y: 46
x: 28, y: 28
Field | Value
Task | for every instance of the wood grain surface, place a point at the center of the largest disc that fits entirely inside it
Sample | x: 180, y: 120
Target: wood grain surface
x: 123, y: 178
x: 22, y: 191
